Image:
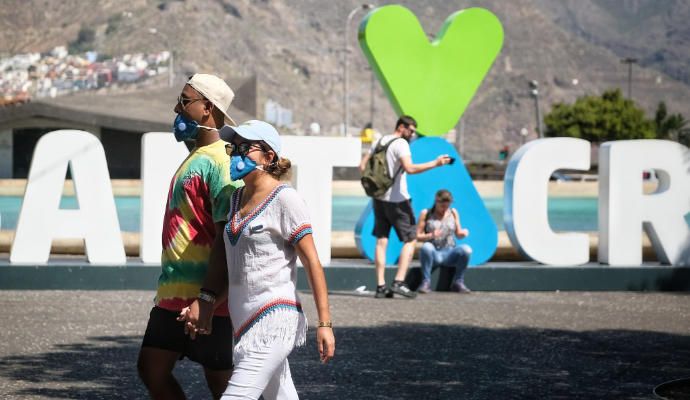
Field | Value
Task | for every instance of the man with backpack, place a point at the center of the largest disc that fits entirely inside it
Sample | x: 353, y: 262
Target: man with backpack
x: 384, y: 177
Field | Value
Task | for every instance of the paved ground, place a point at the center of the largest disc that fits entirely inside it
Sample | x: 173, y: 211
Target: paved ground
x: 83, y: 344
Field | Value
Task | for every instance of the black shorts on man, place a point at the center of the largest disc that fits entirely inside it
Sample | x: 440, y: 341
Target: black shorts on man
x: 212, y: 351
x: 397, y: 215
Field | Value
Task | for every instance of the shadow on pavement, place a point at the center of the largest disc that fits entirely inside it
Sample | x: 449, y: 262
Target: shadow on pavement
x: 406, y: 360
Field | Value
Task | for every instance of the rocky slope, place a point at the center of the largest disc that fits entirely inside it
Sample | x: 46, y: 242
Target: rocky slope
x: 295, y: 48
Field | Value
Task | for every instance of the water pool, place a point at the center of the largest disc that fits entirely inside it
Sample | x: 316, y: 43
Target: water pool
x: 565, y: 214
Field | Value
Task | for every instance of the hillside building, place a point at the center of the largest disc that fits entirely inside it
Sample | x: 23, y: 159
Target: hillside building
x: 118, y: 119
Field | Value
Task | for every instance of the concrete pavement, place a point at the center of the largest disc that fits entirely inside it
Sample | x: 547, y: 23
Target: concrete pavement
x: 556, y: 345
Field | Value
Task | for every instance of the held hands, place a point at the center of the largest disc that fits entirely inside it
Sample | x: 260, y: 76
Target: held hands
x: 325, y: 341
x: 198, y: 318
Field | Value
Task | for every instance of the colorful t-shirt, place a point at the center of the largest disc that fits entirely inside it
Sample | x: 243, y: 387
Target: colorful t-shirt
x: 199, y: 197
x: 262, y: 269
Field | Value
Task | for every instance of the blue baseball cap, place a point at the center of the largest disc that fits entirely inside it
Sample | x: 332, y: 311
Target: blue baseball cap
x: 253, y: 130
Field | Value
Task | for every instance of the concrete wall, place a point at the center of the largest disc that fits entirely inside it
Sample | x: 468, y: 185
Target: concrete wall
x: 23, y: 139
x: 6, y: 153
x: 123, y: 153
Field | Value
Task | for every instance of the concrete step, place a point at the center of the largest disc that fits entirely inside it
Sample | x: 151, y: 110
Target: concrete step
x: 342, y: 246
x: 348, y: 275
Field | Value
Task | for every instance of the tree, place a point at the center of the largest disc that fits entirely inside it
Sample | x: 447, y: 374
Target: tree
x: 84, y: 42
x: 671, y: 127
x: 599, y: 119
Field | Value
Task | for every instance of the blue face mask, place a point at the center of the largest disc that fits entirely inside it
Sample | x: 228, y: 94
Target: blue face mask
x: 186, y: 129
x: 241, y: 167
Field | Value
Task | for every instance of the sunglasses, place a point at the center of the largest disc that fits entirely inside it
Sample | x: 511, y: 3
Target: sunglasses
x: 185, y: 101
x: 241, y: 149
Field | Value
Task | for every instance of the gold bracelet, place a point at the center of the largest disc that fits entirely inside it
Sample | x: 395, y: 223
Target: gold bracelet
x: 325, y: 324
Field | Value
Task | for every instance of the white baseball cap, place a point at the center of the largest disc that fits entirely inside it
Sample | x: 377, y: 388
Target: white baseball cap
x: 254, y: 130
x: 216, y: 91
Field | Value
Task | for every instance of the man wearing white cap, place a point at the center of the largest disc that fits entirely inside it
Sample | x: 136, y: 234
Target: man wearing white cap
x: 195, y: 215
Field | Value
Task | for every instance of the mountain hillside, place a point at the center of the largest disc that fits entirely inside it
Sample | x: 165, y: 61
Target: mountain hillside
x: 295, y: 48
x: 654, y: 31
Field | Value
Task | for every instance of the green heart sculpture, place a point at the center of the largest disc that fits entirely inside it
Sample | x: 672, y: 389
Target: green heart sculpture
x: 430, y: 81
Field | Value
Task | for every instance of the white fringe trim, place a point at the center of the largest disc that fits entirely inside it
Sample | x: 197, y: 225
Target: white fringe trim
x: 288, y: 326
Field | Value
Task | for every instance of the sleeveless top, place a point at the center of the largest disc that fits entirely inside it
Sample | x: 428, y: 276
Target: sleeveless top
x: 447, y: 227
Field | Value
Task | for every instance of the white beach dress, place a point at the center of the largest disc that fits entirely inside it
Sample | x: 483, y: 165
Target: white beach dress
x: 262, y: 272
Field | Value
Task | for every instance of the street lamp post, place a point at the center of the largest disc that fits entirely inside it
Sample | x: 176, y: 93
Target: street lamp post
x: 372, y: 107
x: 171, y: 73
x: 523, y: 134
x: 535, y: 93
x: 630, y: 62
x: 346, y: 99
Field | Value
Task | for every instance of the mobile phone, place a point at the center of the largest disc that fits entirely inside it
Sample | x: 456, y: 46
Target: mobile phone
x: 452, y: 160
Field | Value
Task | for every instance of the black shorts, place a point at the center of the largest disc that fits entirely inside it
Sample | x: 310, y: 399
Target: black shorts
x: 213, y: 351
x: 398, y: 215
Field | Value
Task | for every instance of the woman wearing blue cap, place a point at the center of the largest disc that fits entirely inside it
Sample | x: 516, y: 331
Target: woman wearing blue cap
x: 255, y: 264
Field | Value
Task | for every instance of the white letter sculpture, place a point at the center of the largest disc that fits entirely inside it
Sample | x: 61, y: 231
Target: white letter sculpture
x: 624, y: 210
x: 315, y: 158
x: 161, y: 155
x: 312, y: 158
x: 41, y: 219
x: 526, y: 195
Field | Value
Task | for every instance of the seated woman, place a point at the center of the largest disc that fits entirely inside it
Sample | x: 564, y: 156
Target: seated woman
x: 439, y: 227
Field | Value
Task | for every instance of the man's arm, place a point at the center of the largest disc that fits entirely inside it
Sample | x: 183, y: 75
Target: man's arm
x: 363, y: 164
x: 217, y: 266
x: 406, y: 162
x: 199, y: 315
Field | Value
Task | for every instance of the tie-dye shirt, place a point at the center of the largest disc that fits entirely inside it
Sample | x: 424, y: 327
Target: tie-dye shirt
x: 199, y: 196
